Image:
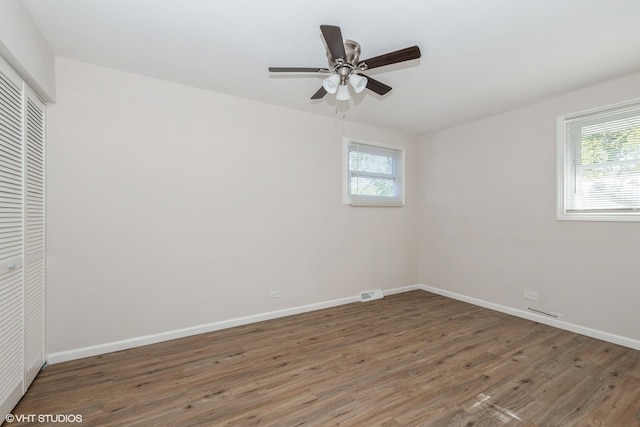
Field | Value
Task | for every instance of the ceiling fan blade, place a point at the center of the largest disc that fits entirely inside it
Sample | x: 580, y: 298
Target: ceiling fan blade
x: 297, y: 70
x: 333, y: 37
x: 377, y: 86
x: 320, y: 93
x: 401, y: 55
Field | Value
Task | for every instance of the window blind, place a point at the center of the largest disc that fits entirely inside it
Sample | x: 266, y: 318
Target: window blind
x: 374, y: 174
x: 602, y: 161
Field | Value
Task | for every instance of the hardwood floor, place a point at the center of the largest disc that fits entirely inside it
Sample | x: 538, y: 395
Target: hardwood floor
x: 413, y: 359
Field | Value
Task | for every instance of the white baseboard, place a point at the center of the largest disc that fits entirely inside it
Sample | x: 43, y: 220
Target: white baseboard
x: 401, y: 290
x: 79, y: 353
x: 95, y: 350
x: 583, y: 330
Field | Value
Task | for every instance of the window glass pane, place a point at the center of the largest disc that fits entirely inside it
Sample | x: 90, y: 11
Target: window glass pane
x: 608, y: 176
x: 608, y: 187
x: 374, y: 163
x: 373, y: 174
x: 609, y: 145
x: 366, y: 186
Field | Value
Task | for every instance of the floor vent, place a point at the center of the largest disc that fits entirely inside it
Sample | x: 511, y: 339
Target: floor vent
x: 371, y: 295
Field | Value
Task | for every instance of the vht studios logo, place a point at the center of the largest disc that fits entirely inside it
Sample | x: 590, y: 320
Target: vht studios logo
x: 44, y: 418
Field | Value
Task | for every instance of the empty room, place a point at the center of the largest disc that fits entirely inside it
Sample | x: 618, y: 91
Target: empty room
x: 281, y: 213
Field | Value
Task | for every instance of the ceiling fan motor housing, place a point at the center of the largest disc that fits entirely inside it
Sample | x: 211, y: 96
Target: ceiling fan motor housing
x: 345, y: 67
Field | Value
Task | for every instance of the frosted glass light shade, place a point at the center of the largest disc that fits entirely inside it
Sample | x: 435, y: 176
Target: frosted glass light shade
x: 331, y: 83
x: 343, y: 93
x: 358, y: 82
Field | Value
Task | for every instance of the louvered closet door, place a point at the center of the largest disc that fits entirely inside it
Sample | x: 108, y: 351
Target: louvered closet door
x: 11, y: 246
x: 33, y: 235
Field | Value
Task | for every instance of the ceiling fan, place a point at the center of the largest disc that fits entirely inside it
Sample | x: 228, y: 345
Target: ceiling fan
x: 345, y: 66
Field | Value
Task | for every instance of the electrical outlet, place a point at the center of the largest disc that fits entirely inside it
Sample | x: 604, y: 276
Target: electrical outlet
x: 533, y: 296
x: 274, y: 294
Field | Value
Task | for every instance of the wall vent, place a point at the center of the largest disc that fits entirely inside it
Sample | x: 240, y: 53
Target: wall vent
x: 558, y: 316
x: 371, y: 295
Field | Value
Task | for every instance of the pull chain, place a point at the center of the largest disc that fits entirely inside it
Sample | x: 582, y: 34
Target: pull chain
x: 344, y: 113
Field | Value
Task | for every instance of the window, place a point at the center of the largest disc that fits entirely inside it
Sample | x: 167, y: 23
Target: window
x: 599, y: 164
x: 373, y: 174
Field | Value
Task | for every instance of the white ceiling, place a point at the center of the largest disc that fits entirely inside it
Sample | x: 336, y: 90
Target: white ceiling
x: 479, y: 57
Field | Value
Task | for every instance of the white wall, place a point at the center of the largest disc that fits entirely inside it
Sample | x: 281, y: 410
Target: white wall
x: 488, y: 227
x: 170, y: 207
x: 22, y: 45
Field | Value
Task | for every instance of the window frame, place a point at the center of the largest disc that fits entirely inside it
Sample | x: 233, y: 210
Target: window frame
x: 563, y: 203
x: 397, y: 200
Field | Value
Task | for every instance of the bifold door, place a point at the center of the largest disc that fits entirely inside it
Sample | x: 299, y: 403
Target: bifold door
x: 21, y: 237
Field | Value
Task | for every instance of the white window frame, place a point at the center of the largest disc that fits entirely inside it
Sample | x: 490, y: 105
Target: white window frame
x: 398, y: 175
x: 566, y: 176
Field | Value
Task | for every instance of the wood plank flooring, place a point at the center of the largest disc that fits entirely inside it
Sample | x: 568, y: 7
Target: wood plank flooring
x: 413, y: 359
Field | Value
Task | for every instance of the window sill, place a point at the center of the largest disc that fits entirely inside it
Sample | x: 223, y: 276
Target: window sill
x: 599, y: 217
x: 375, y: 203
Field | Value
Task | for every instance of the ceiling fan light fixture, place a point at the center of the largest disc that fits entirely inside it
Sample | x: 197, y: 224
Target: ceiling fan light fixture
x: 331, y: 83
x: 343, y: 93
x: 358, y: 82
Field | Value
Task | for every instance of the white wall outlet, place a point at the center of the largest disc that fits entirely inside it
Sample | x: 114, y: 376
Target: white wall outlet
x: 533, y: 296
x: 274, y: 294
